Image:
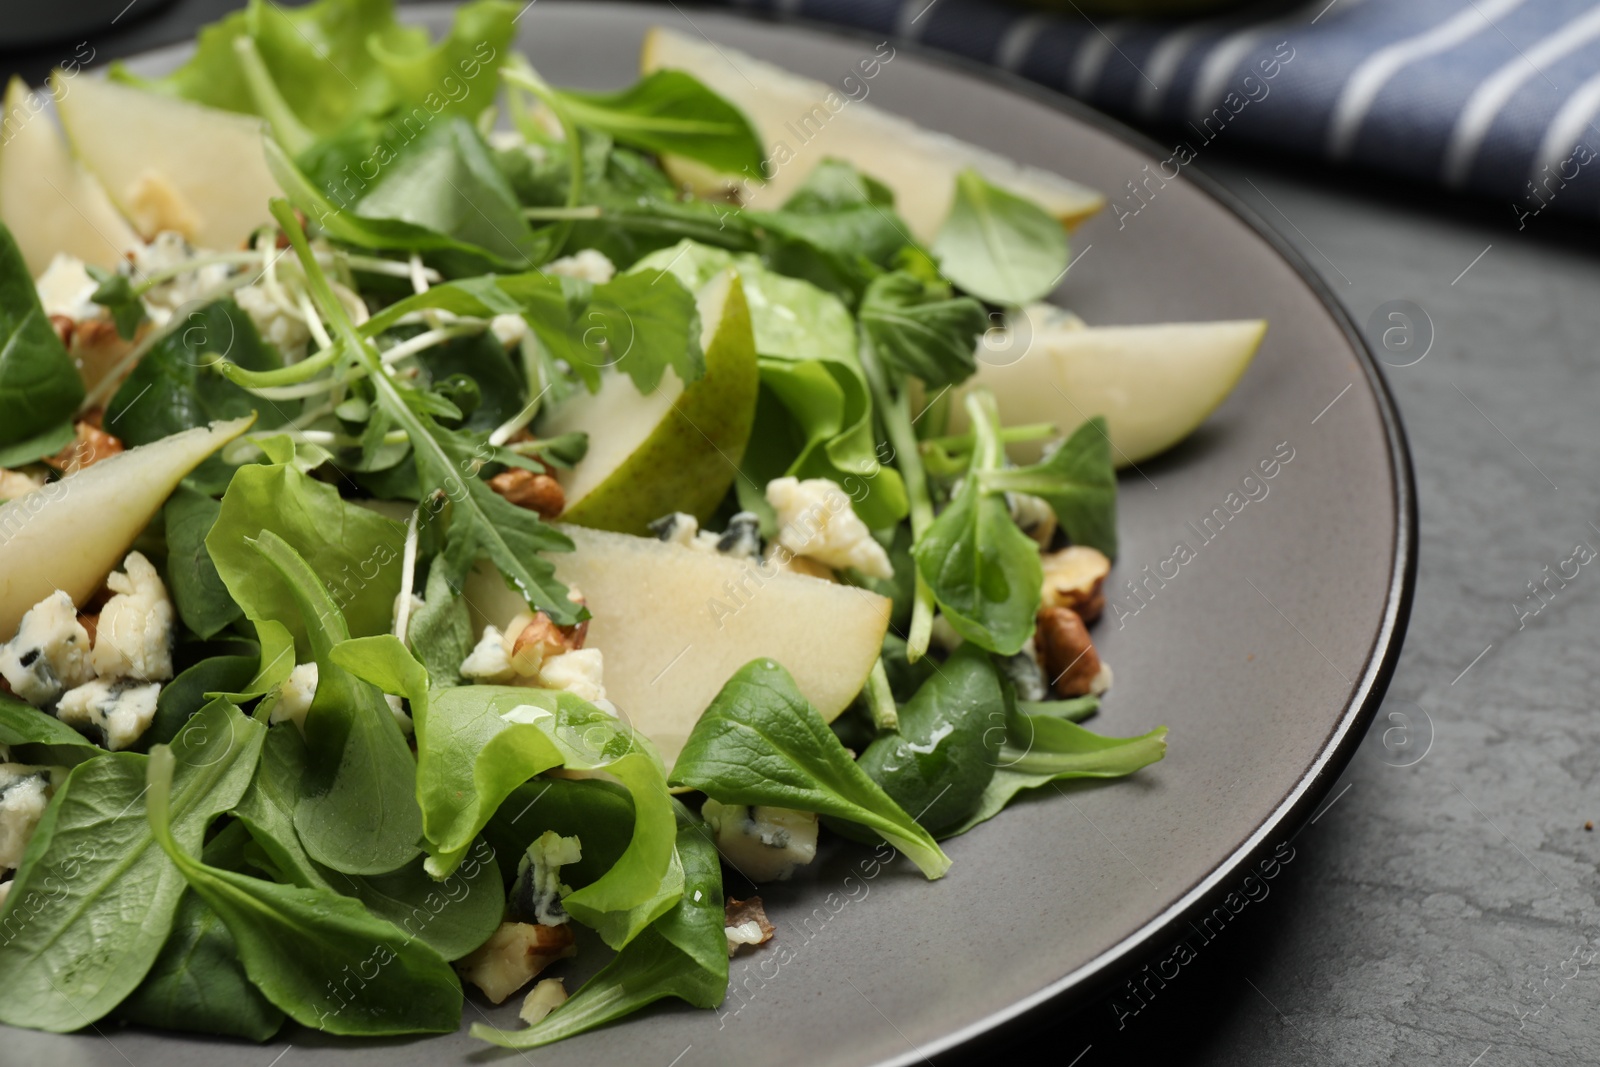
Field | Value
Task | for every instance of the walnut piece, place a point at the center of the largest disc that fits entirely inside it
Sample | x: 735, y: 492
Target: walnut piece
x: 536, y: 492
x: 1067, y: 654
x: 541, y: 1000
x: 1074, y: 578
x: 91, y: 445
x: 746, y: 924
x: 514, y: 954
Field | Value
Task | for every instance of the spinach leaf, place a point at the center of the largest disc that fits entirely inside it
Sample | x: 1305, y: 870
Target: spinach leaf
x: 44, y: 443
x: 1080, y: 483
x: 440, y: 633
x: 481, y: 523
x: 198, y: 592
x: 197, y: 984
x: 356, y: 549
x: 598, y: 813
x: 941, y: 759
x: 761, y: 742
x: 683, y: 954
x: 93, y: 903
x: 446, y: 182
x: 39, y: 386
x: 185, y: 695
x: 301, y: 947
x: 452, y: 917
x: 337, y: 61
x: 998, y: 246
x: 24, y: 724
x: 1043, y: 748
x: 357, y: 812
x: 478, y: 743
x: 983, y: 571
x: 177, y: 385
x: 667, y: 112
x: 919, y: 329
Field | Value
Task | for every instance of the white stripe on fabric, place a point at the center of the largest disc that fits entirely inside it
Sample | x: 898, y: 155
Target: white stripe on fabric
x: 1488, y: 99
x: 1361, y: 89
x: 1018, y: 42
x: 1567, y: 128
x: 1162, y: 66
x: 909, y: 23
x: 1090, y: 62
x: 1226, y: 55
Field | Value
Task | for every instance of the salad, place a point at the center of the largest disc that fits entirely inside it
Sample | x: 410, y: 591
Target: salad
x: 454, y: 523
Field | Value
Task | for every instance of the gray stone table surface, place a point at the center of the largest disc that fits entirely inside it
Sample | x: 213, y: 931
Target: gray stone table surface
x: 1443, y: 909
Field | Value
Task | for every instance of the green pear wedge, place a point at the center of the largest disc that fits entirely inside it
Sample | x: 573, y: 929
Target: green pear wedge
x: 675, y: 449
x: 51, y: 204
x: 70, y: 534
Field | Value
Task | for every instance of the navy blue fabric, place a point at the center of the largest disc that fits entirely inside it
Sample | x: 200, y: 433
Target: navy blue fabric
x: 1497, y: 96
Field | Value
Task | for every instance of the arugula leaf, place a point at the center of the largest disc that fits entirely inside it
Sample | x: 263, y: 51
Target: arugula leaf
x: 357, y: 813
x: 919, y: 329
x: 940, y: 760
x: 600, y: 814
x: 481, y: 523
x: 761, y: 742
x: 998, y: 246
x: 654, y: 321
x: 197, y: 984
x: 667, y: 112
x: 177, y: 385
x: 983, y: 571
x: 810, y: 372
x: 1078, y: 480
x: 92, y: 905
x: 115, y: 293
x: 337, y: 61
x: 357, y: 549
x: 1044, y: 748
x: 300, y: 946
x: 39, y: 386
x: 198, y: 592
x: 683, y: 954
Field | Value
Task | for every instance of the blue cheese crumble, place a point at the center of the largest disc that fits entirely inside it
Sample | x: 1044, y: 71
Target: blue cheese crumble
x: 49, y: 654
x: 24, y: 794
x: 116, y: 711
x: 537, y: 892
x: 815, y: 520
x: 763, y: 844
x: 134, y: 636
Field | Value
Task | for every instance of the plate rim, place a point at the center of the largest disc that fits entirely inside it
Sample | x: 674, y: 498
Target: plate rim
x: 1092, y: 978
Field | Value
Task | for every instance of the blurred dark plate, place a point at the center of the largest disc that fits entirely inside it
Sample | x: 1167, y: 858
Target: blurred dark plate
x: 1267, y: 654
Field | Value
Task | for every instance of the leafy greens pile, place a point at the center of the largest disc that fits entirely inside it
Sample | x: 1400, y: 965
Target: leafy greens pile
x: 229, y: 874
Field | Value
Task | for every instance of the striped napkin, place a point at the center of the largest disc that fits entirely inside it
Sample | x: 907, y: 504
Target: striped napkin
x: 1495, y: 96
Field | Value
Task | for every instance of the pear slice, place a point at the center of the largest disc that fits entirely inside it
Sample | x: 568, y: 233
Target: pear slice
x: 70, y: 534
x: 1153, y: 384
x: 170, y: 164
x: 50, y: 203
x: 674, y: 623
x: 676, y: 449
x: 804, y: 122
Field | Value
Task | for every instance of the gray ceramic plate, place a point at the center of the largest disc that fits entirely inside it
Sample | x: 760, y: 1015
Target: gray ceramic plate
x: 1266, y: 654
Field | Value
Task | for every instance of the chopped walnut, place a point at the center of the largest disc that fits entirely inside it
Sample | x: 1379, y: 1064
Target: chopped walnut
x: 543, y: 999
x: 536, y: 492
x: 1075, y: 578
x: 1067, y: 654
x: 62, y: 324
x: 97, y: 349
x: 513, y: 956
x: 91, y: 446
x: 746, y: 924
